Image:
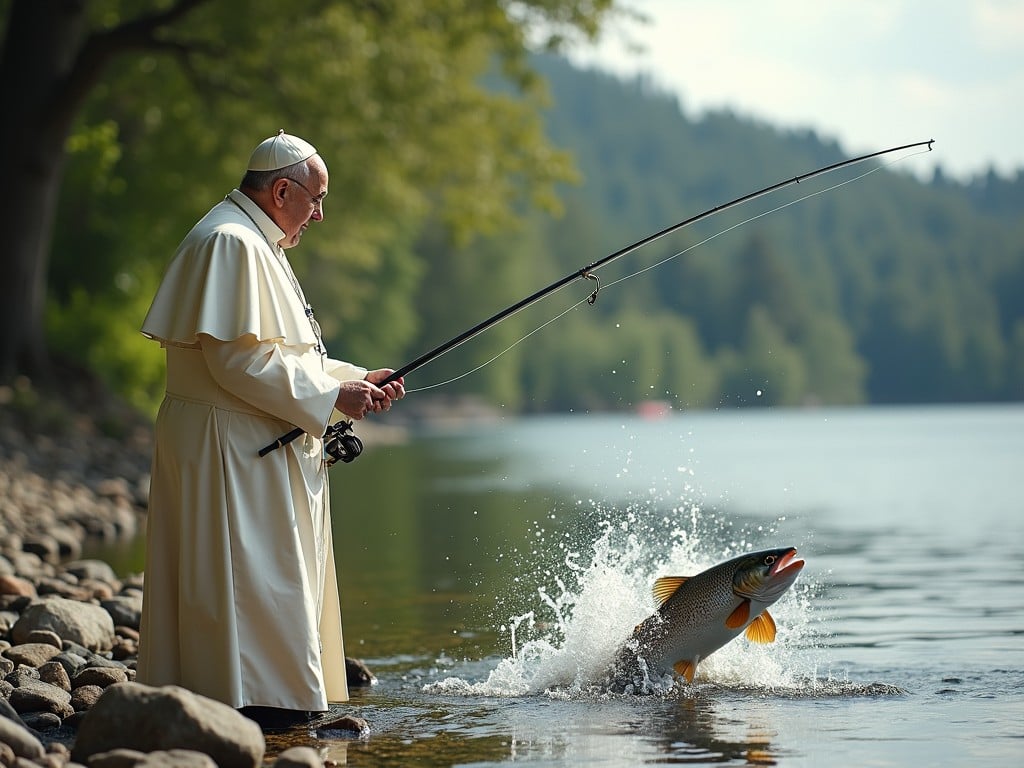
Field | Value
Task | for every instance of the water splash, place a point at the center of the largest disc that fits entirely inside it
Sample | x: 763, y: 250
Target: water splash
x: 587, y: 604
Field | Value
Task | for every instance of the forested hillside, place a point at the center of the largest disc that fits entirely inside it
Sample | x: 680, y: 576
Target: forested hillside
x: 884, y: 290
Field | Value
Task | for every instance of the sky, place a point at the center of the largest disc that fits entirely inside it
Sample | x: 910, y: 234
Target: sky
x: 869, y: 74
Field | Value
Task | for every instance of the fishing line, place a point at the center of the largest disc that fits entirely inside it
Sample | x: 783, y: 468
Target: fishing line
x: 515, y: 343
x: 591, y: 296
x: 761, y: 216
x: 339, y: 431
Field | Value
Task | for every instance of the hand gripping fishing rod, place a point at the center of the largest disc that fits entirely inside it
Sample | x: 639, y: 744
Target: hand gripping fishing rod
x: 347, y: 446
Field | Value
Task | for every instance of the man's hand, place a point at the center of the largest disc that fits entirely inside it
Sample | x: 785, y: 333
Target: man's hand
x: 394, y: 390
x: 357, y: 398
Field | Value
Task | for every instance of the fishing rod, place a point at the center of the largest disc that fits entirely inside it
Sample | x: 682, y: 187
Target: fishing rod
x: 342, y: 445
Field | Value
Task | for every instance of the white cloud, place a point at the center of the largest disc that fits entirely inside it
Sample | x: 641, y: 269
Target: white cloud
x: 870, y: 74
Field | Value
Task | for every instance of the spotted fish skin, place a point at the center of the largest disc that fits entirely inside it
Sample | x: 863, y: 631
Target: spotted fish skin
x: 698, y: 615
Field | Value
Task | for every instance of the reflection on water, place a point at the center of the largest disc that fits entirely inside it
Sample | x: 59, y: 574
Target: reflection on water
x: 707, y: 724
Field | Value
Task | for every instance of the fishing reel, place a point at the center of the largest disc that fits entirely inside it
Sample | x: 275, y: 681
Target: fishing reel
x: 341, y: 444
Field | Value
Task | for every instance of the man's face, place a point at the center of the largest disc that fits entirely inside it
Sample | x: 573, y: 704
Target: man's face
x: 300, y: 201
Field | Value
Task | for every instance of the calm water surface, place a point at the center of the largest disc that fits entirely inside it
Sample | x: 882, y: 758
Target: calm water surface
x: 489, y: 572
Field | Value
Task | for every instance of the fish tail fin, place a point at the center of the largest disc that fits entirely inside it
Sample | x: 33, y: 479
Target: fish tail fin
x: 685, y: 668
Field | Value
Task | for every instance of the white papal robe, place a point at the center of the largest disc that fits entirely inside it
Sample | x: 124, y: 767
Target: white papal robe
x: 241, y: 600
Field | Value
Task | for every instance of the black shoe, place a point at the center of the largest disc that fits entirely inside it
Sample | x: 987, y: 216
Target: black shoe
x: 272, y: 719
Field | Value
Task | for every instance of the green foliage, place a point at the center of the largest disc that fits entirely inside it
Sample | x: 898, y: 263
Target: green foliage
x: 390, y: 93
x: 466, y: 176
x: 102, y: 334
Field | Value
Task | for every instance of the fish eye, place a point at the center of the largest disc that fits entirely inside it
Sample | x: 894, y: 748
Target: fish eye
x: 769, y: 560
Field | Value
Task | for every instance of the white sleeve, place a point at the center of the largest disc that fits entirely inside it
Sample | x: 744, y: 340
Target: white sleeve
x: 343, y: 371
x: 289, y: 382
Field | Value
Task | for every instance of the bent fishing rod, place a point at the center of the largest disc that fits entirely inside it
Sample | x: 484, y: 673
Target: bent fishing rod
x: 342, y: 445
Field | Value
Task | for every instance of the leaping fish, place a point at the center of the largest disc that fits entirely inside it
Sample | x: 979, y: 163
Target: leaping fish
x: 698, y: 615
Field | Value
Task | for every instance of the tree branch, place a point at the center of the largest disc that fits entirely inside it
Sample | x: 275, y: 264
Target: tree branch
x: 140, y: 33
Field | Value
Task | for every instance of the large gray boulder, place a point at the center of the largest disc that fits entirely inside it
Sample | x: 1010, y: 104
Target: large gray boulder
x: 87, y: 624
x: 148, y: 719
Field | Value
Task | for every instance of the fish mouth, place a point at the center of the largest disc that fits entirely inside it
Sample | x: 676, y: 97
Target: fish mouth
x: 780, y: 577
x: 787, y: 566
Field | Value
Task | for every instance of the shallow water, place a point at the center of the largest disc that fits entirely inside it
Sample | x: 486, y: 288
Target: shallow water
x: 488, y: 573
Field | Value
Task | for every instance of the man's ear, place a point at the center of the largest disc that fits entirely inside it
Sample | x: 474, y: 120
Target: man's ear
x: 277, y: 191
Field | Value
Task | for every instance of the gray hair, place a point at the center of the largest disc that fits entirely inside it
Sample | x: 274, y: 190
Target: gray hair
x: 261, y: 180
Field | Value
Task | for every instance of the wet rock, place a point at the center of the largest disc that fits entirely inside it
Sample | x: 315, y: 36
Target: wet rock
x: 345, y: 724
x: 148, y: 719
x: 358, y: 673
x: 83, y: 623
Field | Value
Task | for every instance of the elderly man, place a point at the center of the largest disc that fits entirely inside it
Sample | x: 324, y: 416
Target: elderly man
x: 241, y: 600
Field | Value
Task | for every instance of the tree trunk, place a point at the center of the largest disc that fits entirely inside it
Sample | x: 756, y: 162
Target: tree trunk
x: 42, y: 41
x: 48, y: 66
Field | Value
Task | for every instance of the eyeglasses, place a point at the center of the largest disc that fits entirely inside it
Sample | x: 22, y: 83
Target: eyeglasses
x: 316, y: 200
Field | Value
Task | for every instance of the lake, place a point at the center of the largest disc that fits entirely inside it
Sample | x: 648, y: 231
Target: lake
x: 489, y: 571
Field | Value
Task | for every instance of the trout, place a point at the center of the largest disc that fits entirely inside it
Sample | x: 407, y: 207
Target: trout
x: 698, y: 615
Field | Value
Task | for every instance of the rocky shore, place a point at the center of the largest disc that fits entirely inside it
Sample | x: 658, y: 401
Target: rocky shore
x: 69, y: 626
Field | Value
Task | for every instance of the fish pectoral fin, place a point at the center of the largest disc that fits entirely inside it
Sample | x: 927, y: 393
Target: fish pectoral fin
x: 685, y: 668
x: 762, y: 629
x: 739, y: 616
x: 666, y: 586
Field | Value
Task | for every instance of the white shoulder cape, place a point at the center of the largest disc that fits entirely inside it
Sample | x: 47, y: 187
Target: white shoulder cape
x: 227, y: 280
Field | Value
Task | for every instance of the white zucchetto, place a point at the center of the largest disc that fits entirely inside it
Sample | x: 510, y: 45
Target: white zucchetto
x: 279, y: 152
